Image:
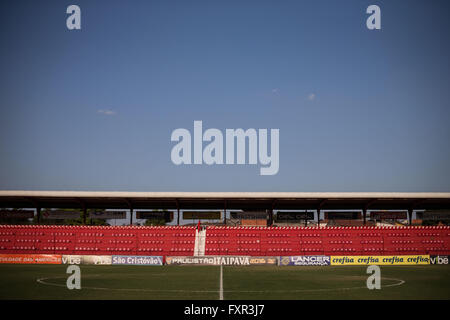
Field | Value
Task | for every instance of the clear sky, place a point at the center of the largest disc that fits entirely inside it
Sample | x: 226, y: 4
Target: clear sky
x: 94, y: 109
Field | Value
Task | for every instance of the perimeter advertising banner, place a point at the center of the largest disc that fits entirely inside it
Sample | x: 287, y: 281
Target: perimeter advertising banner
x: 30, y: 258
x: 263, y: 261
x: 305, y: 261
x: 84, y: 259
x: 138, y: 260
x: 439, y: 259
x: 379, y: 260
x: 222, y: 260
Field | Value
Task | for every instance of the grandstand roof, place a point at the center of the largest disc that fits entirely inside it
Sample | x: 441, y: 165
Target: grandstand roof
x: 230, y: 200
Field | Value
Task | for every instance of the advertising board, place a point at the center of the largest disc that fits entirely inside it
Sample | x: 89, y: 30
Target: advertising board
x: 305, y: 261
x: 138, y: 260
x: 30, y: 258
x: 380, y: 260
x: 86, y: 259
x: 222, y: 260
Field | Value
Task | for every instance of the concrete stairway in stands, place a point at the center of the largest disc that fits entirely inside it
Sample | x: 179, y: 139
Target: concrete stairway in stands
x: 200, y: 243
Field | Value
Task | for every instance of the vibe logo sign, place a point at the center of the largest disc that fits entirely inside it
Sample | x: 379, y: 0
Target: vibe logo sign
x: 235, y: 140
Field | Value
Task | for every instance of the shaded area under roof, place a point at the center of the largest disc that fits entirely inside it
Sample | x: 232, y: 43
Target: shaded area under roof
x: 228, y: 200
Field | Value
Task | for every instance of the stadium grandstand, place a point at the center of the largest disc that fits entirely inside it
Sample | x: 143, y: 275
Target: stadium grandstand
x: 338, y: 236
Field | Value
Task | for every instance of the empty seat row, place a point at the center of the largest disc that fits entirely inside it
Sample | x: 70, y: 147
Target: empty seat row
x: 280, y: 242
x: 218, y: 235
x: 248, y: 249
x: 343, y: 249
x: 248, y: 242
x: 432, y: 241
x: 150, y: 249
x: 402, y: 241
x: 27, y: 240
x: 369, y: 235
x: 401, y: 235
x: 121, y: 241
x: 31, y: 234
x: 87, y: 241
x: 216, y: 249
x: 24, y: 248
x: 86, y: 249
x: 372, y: 241
x: 181, y: 249
x: 436, y: 249
x: 56, y: 248
x: 279, y: 249
x: 407, y: 249
x: 341, y: 242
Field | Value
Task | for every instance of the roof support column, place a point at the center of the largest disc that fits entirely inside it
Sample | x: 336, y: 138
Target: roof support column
x: 318, y: 217
x: 364, y: 211
x: 225, y: 212
x: 130, y: 206
x: 38, y: 214
x: 410, y: 211
x: 84, y: 214
x: 270, y: 221
x: 178, y: 212
x: 318, y: 211
x: 306, y: 220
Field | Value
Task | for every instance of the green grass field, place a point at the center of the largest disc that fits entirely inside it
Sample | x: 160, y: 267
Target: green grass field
x: 239, y: 283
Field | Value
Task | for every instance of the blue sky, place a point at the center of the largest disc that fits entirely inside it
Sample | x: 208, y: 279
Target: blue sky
x: 94, y: 109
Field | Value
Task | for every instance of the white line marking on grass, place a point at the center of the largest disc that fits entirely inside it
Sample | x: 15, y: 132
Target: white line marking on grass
x: 221, y: 283
x: 42, y: 281
x: 394, y: 284
x: 399, y: 283
x: 221, y: 291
